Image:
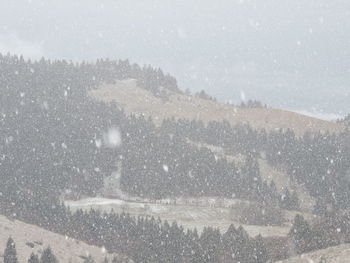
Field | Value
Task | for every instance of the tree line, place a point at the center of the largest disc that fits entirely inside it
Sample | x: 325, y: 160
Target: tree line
x: 331, y: 230
x: 319, y: 161
x: 143, y: 239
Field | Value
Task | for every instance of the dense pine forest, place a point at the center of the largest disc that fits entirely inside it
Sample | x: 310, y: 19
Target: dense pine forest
x: 53, y: 141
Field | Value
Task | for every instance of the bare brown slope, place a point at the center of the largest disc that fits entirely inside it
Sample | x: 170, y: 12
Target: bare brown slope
x: 27, y: 235
x: 337, y: 254
x: 139, y: 101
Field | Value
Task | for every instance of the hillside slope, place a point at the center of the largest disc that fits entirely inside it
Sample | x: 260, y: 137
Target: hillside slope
x: 142, y: 102
x: 337, y: 254
x: 29, y: 238
x: 268, y: 173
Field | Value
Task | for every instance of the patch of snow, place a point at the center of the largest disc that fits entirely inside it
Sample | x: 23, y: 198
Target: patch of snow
x: 112, y: 138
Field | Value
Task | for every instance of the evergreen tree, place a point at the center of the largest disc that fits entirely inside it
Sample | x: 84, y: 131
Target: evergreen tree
x: 320, y: 207
x: 210, y: 241
x: 229, y: 242
x: 89, y: 259
x: 285, y: 199
x: 289, y: 201
x: 33, y: 258
x: 260, y: 250
x: 243, y: 240
x: 301, y: 234
x: 295, y: 204
x: 48, y: 256
x: 10, y: 254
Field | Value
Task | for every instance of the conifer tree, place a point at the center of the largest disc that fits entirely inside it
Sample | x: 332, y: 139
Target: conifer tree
x: 295, y: 201
x: 320, y: 207
x: 48, y: 256
x: 260, y: 250
x: 89, y: 259
x: 300, y: 233
x: 33, y: 258
x: 10, y: 254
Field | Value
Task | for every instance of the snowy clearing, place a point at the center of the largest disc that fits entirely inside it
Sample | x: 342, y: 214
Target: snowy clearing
x: 197, y: 216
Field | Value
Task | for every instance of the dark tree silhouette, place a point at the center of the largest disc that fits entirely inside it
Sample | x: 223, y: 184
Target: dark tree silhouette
x: 301, y: 234
x: 48, y: 256
x: 33, y: 258
x: 10, y: 253
x: 89, y: 259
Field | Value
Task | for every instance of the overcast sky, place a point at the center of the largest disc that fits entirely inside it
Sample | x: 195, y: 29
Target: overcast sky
x: 287, y: 53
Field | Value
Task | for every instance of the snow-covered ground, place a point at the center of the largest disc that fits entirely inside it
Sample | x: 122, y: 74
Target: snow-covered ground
x: 189, y: 212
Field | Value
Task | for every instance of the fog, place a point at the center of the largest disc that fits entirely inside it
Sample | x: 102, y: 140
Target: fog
x: 174, y: 131
x: 289, y: 54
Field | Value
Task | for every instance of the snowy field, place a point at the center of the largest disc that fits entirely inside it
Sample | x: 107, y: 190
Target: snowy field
x: 191, y: 213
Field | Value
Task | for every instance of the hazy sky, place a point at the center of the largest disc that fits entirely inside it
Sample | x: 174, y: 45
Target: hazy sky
x: 287, y: 53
